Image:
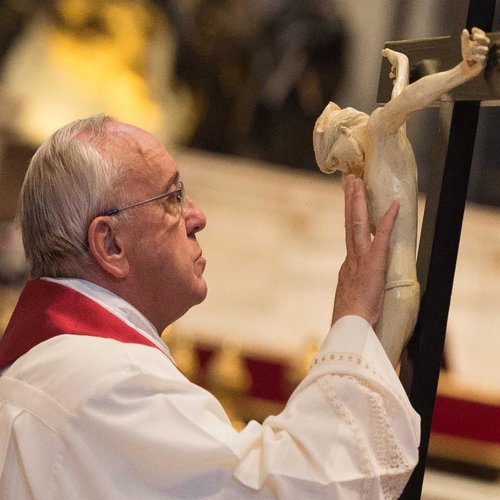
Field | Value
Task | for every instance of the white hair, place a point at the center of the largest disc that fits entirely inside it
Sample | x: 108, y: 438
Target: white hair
x: 67, y: 184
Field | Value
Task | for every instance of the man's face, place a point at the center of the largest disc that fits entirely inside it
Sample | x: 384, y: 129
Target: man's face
x: 166, y: 262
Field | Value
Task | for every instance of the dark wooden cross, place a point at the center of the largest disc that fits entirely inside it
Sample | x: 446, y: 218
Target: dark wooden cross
x: 444, y: 208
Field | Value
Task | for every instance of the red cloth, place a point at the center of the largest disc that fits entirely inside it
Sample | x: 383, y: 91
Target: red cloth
x: 466, y: 419
x: 46, y: 309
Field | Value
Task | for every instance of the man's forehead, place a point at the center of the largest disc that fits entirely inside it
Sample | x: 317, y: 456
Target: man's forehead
x: 129, y: 140
x: 134, y: 137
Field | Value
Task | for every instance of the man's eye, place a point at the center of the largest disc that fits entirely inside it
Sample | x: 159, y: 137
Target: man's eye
x: 168, y: 201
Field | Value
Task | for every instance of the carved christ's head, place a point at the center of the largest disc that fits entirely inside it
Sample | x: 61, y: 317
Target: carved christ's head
x: 335, y: 146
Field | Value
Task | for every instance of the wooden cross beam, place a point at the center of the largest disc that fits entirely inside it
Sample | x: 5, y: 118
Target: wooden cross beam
x: 431, y: 55
x: 444, y: 209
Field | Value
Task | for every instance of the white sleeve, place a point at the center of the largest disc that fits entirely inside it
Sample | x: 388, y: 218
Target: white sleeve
x: 348, y: 425
x: 348, y: 431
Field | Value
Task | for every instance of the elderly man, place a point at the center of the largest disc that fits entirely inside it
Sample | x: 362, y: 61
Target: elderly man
x: 91, y: 402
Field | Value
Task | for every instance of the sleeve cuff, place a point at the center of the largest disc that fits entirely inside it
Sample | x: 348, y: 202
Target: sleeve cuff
x: 354, y: 335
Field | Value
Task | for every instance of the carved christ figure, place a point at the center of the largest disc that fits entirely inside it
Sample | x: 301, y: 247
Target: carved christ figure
x: 375, y: 147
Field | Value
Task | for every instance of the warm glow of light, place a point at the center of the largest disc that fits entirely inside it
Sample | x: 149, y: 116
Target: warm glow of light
x: 110, y: 65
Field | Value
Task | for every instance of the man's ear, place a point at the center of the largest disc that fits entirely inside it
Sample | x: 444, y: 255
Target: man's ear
x: 106, y: 246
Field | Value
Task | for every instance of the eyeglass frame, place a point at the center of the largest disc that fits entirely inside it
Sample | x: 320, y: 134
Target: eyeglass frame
x: 180, y: 193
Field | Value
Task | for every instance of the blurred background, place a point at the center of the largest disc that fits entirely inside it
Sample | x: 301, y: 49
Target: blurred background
x: 233, y: 88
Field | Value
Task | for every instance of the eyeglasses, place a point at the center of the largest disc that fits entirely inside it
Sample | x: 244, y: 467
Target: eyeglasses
x: 179, y: 195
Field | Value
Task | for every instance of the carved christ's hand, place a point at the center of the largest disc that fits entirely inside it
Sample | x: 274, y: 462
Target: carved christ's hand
x: 474, y: 52
x: 388, y: 119
x: 397, y: 59
x: 399, y: 70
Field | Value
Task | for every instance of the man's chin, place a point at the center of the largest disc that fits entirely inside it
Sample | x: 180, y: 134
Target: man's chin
x: 205, y: 293
x: 201, y: 292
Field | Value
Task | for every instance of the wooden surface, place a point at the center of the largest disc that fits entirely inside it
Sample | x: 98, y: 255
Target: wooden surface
x: 431, y: 55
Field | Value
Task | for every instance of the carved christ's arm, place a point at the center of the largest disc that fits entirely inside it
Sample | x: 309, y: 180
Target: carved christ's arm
x: 400, y: 73
x: 400, y: 70
x: 423, y: 92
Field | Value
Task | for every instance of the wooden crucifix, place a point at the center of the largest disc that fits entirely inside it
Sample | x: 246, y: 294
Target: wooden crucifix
x: 444, y: 209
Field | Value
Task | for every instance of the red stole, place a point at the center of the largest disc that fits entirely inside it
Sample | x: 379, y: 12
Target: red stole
x: 46, y: 309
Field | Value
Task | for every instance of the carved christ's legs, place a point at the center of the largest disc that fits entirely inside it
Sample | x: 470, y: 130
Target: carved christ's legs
x: 398, y: 317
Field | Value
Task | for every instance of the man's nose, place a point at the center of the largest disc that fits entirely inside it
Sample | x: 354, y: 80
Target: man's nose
x: 194, y: 217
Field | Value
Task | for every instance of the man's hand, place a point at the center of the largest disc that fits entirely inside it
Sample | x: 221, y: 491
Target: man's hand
x: 362, y: 275
x: 474, y: 51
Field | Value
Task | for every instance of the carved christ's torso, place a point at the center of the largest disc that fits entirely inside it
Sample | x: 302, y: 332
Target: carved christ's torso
x: 390, y: 173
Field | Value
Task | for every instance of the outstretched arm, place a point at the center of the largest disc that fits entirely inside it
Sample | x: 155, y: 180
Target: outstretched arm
x: 400, y: 73
x: 425, y: 91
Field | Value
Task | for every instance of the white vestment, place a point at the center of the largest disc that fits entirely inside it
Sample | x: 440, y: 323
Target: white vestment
x: 93, y: 418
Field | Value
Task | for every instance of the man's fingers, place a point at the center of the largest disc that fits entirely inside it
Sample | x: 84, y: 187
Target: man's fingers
x: 361, y: 235
x: 348, y: 199
x: 384, y: 230
x: 357, y: 225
